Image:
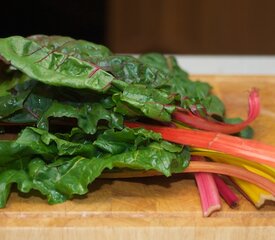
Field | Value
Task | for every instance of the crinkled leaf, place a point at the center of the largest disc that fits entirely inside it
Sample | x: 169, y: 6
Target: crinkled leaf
x: 88, y: 116
x: 191, y: 92
x: 151, y: 102
x: 167, y: 64
x: 53, y: 67
x: 7, y: 178
x: 83, y: 171
x: 60, y: 182
x: 33, y: 141
x: 130, y: 70
x: 127, y: 139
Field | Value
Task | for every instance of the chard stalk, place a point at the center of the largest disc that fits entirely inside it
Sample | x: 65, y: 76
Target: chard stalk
x: 238, y: 147
x: 233, y: 171
x: 253, y: 193
x: 209, y: 195
x: 226, y: 192
x: 189, y: 118
x: 209, y: 167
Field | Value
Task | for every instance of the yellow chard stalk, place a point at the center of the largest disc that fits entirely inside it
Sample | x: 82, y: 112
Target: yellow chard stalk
x: 256, y: 195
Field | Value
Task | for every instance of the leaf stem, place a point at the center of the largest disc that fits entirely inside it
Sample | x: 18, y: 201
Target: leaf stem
x: 226, y: 193
x: 209, y: 195
x: 187, y: 117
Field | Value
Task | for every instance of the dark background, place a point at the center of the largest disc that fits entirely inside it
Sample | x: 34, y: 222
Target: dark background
x: 80, y: 19
x: 135, y: 26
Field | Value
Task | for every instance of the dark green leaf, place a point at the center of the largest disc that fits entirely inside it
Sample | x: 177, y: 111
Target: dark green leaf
x: 127, y: 139
x: 11, y: 103
x: 151, y: 102
x: 131, y: 70
x: 88, y: 116
x: 247, y: 132
x: 33, y: 141
x: 213, y: 105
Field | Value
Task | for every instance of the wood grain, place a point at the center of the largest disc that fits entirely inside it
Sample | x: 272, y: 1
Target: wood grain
x: 152, y: 208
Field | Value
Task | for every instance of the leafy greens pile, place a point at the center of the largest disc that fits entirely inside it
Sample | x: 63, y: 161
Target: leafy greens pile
x: 70, y: 100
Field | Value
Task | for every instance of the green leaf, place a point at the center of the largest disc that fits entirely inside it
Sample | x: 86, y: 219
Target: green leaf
x: 156, y: 60
x: 11, y: 79
x: 14, y: 89
x: 11, y: 103
x: 34, y: 141
x: 190, y: 92
x: 34, y: 107
x: 64, y: 176
x: 44, y: 179
x: 7, y: 178
x: 130, y: 70
x: 60, y: 182
x: 76, y: 174
x: 84, y: 171
x: 80, y: 49
x: 247, y: 132
x: 151, y: 102
x: 53, y: 67
x: 213, y: 105
x: 88, y: 116
x: 127, y: 139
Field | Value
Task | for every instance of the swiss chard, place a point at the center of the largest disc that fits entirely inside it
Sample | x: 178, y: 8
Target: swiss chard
x: 52, y: 81
x: 59, y: 168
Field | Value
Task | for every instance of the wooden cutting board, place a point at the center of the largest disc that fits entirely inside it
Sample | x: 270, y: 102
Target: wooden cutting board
x: 152, y: 208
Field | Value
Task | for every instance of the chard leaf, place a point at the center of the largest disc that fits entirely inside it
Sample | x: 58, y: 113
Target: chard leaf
x: 131, y: 70
x: 15, y: 87
x: 88, y: 116
x: 83, y: 171
x: 53, y: 67
x: 34, y: 141
x: 61, y: 178
x: 196, y: 92
x: 151, y: 102
x: 156, y: 60
x: 11, y: 103
x: 44, y: 179
x: 10, y: 79
x: 80, y: 49
x: 60, y: 182
x: 10, y: 176
x: 37, y: 104
x: 213, y: 105
x: 76, y: 135
x: 31, y: 110
x: 127, y: 139
x: 247, y: 132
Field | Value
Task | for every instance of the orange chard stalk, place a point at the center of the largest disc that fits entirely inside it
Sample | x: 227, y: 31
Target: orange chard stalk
x: 233, y: 171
